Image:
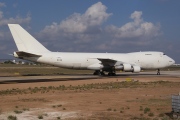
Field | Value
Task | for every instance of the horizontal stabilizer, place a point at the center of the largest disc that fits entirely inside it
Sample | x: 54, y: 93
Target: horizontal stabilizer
x: 26, y: 54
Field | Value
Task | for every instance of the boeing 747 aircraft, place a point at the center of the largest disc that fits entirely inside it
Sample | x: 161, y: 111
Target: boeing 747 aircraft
x: 30, y: 49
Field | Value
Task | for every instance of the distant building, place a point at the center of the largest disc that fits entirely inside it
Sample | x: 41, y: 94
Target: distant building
x: 5, y: 60
x: 16, y: 61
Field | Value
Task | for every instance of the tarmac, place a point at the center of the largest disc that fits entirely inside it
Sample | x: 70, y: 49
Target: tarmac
x: 27, y: 79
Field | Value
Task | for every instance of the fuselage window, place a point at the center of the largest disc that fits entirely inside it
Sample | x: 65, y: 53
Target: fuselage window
x: 148, y: 54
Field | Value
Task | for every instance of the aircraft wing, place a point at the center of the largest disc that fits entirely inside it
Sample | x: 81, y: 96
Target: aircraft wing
x: 109, y: 62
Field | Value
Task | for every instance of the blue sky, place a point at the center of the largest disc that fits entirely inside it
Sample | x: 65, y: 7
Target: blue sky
x: 95, y: 26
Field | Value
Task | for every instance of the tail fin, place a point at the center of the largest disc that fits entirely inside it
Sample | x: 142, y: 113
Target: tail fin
x: 24, y: 41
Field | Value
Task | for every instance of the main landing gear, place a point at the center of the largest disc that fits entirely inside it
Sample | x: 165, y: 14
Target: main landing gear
x: 98, y: 72
x: 111, y: 73
x: 158, y: 72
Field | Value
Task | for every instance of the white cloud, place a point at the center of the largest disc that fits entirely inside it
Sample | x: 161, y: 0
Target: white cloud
x: 17, y: 19
x: 86, y: 29
x: 79, y: 23
x: 138, y: 28
x: 5, y: 36
x: 96, y: 14
x: 137, y: 16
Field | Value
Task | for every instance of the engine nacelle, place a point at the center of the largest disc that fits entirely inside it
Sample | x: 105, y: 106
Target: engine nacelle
x: 119, y: 67
x: 130, y: 68
x: 136, y: 69
x: 127, y: 67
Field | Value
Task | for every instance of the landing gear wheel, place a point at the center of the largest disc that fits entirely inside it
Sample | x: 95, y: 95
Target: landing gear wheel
x: 97, y: 72
x: 112, y: 74
x: 109, y: 73
x: 102, y: 73
x: 158, y: 72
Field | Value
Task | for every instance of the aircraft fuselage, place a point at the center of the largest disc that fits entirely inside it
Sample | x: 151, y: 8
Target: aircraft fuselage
x: 146, y: 60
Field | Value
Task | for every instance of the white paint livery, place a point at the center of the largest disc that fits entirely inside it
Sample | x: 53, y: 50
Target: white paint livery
x: 30, y: 49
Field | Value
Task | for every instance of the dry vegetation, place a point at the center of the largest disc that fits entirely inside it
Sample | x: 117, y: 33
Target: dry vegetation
x: 112, y: 100
x: 102, y: 99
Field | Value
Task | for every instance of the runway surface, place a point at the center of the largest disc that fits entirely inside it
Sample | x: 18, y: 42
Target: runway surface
x: 26, y: 79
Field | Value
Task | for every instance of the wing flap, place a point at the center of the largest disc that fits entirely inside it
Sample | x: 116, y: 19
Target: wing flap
x: 108, y: 62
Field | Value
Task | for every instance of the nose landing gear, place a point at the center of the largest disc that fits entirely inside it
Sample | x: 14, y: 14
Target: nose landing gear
x: 158, y: 72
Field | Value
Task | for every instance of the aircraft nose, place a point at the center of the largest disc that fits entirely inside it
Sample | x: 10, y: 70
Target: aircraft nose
x: 171, y: 61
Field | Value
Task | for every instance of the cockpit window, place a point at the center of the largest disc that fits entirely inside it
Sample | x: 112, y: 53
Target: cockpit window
x: 164, y: 54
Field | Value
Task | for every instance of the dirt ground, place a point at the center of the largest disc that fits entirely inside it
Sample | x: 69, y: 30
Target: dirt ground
x: 101, y: 99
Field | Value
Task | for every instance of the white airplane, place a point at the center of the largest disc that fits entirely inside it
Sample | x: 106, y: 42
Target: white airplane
x: 30, y: 49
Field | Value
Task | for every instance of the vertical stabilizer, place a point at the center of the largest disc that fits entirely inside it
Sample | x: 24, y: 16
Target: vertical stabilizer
x: 24, y: 41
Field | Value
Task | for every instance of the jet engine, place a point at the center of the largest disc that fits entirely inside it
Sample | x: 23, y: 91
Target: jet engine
x: 128, y: 68
x: 136, y: 69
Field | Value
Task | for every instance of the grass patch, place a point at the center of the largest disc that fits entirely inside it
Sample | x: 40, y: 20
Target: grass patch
x: 25, y: 109
x: 141, y: 108
x: 11, y: 117
x: 146, y: 110
x: 121, y: 111
x: 161, y: 115
x: 151, y: 114
x: 40, y: 116
x: 93, y: 86
x: 33, y: 70
x: 140, y: 118
x: 18, y: 111
x: 58, y: 118
x: 59, y: 105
